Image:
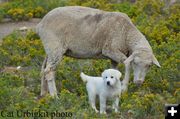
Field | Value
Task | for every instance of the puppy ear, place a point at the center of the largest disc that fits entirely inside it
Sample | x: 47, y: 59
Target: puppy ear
x: 118, y: 75
x: 103, y: 74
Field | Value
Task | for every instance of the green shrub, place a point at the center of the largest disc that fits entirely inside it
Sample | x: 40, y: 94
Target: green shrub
x: 24, y: 10
x: 19, y: 50
x: 126, y: 7
x: 20, y: 13
x: 98, y: 4
x: 173, y: 20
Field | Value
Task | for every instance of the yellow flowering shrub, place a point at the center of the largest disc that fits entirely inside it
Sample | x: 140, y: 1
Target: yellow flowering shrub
x: 16, y: 14
x: 26, y: 9
x: 98, y: 4
x: 23, y: 14
x: 39, y: 12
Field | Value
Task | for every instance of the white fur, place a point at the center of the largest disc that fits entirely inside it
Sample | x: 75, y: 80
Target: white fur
x: 97, y: 86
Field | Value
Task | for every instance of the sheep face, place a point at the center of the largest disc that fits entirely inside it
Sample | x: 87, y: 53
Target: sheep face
x: 140, y: 67
x: 141, y: 62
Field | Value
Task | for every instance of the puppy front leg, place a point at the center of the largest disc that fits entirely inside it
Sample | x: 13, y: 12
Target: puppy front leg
x: 116, y: 104
x: 94, y: 107
x: 102, y: 105
x: 92, y: 100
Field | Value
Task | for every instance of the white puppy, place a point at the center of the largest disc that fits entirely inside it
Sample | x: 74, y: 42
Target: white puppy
x: 107, y: 86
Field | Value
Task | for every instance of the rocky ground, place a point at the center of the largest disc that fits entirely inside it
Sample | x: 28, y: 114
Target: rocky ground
x: 7, y: 27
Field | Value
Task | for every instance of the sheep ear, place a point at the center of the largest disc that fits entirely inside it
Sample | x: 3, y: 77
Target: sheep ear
x: 155, y: 61
x: 129, y: 59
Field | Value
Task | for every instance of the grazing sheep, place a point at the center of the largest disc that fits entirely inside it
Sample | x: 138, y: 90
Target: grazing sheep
x: 83, y: 32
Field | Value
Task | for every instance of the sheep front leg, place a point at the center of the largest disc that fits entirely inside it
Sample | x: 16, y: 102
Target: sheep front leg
x: 125, y: 81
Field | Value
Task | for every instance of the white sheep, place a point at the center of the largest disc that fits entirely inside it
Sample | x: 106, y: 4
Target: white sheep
x: 83, y: 32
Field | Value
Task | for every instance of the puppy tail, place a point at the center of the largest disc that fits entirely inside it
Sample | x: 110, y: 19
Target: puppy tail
x: 84, y: 77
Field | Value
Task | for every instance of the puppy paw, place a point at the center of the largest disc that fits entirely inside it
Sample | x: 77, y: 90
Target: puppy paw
x: 96, y: 111
x: 116, y: 111
x: 103, y: 112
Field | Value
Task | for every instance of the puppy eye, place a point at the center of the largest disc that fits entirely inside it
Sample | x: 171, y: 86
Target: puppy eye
x: 112, y: 77
x: 106, y: 77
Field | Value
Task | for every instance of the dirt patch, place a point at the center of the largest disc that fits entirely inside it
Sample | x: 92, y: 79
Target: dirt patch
x: 8, y: 27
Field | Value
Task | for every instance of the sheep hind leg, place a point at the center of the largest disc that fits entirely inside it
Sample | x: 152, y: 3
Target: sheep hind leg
x: 55, y: 50
x: 50, y: 76
x: 51, y: 83
x: 51, y: 65
x: 44, y: 86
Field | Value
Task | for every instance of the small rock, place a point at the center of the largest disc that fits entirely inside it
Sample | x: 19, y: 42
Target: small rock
x: 24, y: 28
x: 18, y: 67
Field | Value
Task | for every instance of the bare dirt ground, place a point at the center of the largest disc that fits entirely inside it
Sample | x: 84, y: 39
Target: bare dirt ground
x: 8, y: 27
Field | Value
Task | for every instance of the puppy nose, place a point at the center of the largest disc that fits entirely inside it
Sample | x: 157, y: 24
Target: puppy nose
x: 108, y: 83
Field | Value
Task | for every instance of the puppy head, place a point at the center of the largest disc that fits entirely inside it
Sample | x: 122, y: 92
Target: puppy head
x: 111, y: 76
